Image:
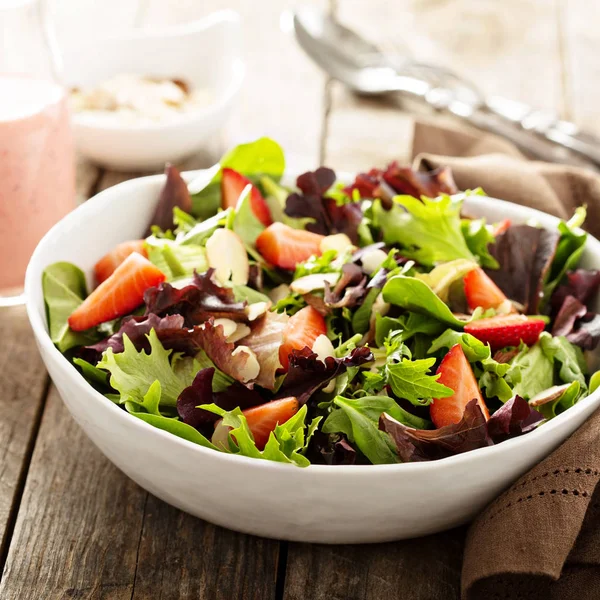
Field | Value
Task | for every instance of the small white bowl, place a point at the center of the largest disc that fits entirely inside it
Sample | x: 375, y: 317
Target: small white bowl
x: 327, y: 504
x: 206, y: 53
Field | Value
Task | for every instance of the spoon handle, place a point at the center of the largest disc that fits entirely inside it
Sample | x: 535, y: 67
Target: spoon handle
x: 547, y: 126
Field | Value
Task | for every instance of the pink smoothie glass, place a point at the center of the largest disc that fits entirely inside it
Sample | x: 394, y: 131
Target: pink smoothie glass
x: 37, y: 161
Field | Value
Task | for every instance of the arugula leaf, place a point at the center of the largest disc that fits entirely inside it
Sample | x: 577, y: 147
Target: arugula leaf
x: 410, y: 379
x: 474, y: 349
x: 64, y: 290
x: 359, y: 420
x: 287, y: 443
x: 416, y: 296
x: 261, y: 157
x: 478, y: 238
x: 132, y: 372
x: 428, y: 230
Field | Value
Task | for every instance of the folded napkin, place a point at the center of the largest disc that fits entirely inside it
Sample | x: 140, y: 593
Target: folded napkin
x: 541, y: 538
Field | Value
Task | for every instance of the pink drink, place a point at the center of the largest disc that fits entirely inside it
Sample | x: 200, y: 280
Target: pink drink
x: 37, y: 169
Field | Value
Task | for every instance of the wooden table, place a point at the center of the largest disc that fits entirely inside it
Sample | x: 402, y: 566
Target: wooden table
x: 72, y: 525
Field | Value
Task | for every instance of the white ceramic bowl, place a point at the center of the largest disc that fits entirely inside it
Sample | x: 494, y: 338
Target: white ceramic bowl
x: 205, y: 53
x: 341, y: 504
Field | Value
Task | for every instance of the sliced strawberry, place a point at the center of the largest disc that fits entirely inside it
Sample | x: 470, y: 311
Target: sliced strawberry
x: 261, y: 421
x: 109, y: 262
x: 455, y: 372
x: 232, y: 186
x: 301, y: 330
x: 501, y: 227
x: 506, y: 330
x: 285, y: 247
x: 119, y: 294
x: 481, y: 291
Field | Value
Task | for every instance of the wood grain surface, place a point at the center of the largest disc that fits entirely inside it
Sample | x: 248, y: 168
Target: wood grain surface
x: 71, y: 524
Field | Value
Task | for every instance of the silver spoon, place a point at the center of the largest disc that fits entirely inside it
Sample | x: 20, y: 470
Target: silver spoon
x: 366, y: 69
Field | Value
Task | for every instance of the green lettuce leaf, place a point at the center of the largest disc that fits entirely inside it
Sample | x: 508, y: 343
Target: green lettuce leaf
x: 533, y: 369
x: 474, y: 349
x: 408, y: 324
x: 361, y: 318
x: 568, y: 398
x: 200, y: 232
x: 428, y: 230
x: 132, y: 372
x: 569, y: 356
x: 64, y: 289
x: 359, y: 420
x: 568, y: 253
x: 416, y: 296
x: 174, y: 259
x: 287, y: 443
x: 478, y: 238
x: 261, y: 157
x: 245, y: 222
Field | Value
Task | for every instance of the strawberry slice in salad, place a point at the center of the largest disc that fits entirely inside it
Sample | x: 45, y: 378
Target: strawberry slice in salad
x: 302, y: 330
x: 510, y: 330
x: 286, y: 247
x: 261, y: 420
x: 232, y: 186
x: 456, y: 373
x: 106, y: 266
x: 118, y: 295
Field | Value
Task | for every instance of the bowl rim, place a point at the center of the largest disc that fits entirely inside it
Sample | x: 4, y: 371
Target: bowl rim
x: 33, y: 284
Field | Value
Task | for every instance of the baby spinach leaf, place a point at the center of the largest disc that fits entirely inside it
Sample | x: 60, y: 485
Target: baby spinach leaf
x: 64, y: 289
x: 416, y: 296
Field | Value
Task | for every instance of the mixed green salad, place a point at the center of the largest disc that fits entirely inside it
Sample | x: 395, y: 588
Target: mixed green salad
x: 375, y: 322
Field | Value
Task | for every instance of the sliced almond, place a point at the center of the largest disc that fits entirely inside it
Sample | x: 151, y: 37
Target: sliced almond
x: 241, y: 331
x: 549, y: 395
x: 256, y: 309
x: 323, y: 347
x: 316, y: 281
x: 279, y: 293
x: 380, y: 307
x: 228, y: 325
x: 372, y: 259
x: 251, y: 368
x: 181, y: 283
x: 226, y: 254
x: 220, y: 437
x: 339, y: 242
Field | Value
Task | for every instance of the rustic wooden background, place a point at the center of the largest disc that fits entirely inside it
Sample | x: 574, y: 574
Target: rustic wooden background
x: 72, y: 525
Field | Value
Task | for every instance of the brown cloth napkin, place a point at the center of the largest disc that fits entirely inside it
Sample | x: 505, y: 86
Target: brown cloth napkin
x: 541, y: 538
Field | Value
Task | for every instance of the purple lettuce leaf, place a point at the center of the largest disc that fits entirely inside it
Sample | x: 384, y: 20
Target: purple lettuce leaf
x: 412, y: 445
x: 582, y: 284
x: 350, y: 289
x: 332, y: 449
x: 174, y: 193
x: 525, y: 255
x: 587, y: 334
x: 196, y: 302
x: 570, y: 311
x: 137, y: 330
x: 384, y: 184
x: 328, y: 216
x: 307, y: 374
x: 201, y: 392
x: 512, y: 419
